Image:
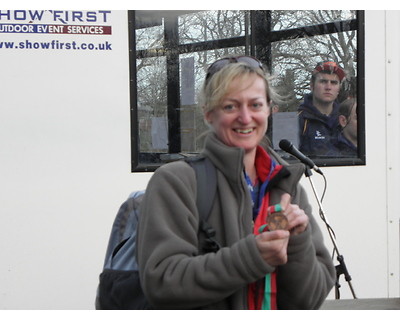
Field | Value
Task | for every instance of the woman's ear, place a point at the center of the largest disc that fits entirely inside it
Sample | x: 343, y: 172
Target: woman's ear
x: 207, y: 115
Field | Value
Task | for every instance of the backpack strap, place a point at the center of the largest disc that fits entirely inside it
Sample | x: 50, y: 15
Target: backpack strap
x: 206, y: 176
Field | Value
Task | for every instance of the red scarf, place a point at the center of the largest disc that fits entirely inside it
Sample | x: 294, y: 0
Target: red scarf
x: 263, y: 293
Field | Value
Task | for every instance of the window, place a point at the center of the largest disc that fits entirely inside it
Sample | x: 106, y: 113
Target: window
x: 170, y: 52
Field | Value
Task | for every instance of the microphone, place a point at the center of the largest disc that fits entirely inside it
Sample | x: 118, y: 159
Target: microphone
x: 288, y: 147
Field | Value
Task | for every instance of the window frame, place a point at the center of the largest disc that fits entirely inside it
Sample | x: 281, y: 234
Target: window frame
x: 254, y: 43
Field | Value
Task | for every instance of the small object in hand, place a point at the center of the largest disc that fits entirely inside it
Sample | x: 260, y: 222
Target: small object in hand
x: 276, y: 220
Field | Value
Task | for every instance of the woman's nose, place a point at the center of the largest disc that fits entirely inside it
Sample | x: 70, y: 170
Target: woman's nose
x: 244, y: 115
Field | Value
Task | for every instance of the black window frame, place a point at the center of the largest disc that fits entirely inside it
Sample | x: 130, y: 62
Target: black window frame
x: 258, y: 44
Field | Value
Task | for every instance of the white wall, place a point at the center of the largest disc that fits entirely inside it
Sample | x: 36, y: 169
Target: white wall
x: 65, y: 166
x: 65, y: 169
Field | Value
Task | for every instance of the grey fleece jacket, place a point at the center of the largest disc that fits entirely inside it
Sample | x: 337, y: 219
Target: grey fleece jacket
x: 176, y: 274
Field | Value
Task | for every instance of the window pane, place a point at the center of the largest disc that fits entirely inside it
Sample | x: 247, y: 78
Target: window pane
x: 290, y: 19
x: 293, y: 62
x: 152, y: 104
x: 150, y: 37
x: 211, y: 25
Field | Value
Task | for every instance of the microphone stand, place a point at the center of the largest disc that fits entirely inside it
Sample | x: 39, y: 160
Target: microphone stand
x: 341, y: 268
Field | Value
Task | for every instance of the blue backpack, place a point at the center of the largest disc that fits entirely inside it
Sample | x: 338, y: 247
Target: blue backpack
x: 119, y: 286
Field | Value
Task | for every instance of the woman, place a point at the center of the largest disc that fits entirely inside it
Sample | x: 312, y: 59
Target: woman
x: 284, y: 269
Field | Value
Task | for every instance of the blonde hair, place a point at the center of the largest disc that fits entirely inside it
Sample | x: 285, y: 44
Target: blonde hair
x: 217, y: 86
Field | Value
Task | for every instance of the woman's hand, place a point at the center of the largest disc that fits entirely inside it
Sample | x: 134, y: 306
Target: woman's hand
x: 273, y: 246
x: 298, y: 220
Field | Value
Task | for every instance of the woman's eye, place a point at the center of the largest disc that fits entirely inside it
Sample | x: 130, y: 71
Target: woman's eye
x: 229, y: 107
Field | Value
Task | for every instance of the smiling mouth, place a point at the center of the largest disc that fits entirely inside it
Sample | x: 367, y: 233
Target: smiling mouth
x: 244, y: 131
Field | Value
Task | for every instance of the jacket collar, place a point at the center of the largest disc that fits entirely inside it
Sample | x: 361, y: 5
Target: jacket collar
x: 229, y: 161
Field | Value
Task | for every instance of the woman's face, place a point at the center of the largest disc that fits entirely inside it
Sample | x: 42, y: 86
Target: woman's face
x: 242, y: 118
